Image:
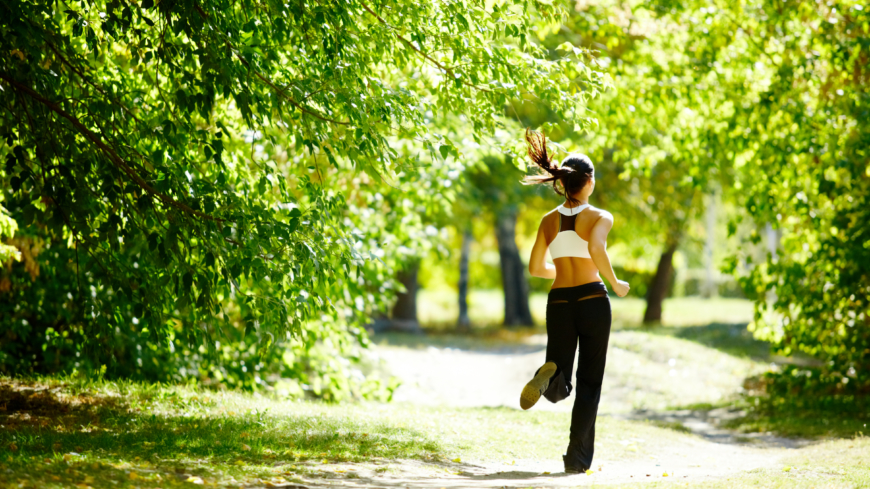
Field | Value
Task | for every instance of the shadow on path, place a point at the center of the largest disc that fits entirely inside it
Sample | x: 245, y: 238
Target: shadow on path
x: 706, y: 424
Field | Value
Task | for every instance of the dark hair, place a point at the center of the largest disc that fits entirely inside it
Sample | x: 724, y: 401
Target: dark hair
x: 575, y: 171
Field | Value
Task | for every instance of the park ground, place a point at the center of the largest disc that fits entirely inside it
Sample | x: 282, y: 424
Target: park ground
x: 673, y: 414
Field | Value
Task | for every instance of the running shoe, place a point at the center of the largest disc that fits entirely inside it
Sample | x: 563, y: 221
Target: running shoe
x: 533, y: 390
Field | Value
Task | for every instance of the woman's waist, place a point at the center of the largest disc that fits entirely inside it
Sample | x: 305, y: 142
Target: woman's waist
x: 577, y: 292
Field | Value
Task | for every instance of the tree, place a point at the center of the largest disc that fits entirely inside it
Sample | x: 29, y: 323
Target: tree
x: 778, y: 96
x: 147, y: 146
x: 796, y: 131
x: 651, y: 141
x: 495, y: 190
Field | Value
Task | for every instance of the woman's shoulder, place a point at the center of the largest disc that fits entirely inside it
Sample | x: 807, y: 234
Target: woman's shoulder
x: 598, y: 214
x: 553, y: 214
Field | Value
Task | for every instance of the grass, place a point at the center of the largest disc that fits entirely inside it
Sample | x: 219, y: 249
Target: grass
x: 61, y: 433
x: 146, y: 434
x: 733, y: 339
x: 795, y: 418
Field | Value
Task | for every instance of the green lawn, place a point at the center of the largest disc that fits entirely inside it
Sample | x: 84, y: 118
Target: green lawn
x: 126, y: 434
x: 65, y: 433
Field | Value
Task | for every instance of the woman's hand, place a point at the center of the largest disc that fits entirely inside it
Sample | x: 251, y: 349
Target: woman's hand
x: 621, y: 288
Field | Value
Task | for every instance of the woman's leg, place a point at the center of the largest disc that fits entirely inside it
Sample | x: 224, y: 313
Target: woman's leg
x: 592, y: 324
x: 561, y: 345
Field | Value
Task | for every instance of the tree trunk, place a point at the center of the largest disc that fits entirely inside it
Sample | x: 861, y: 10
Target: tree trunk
x: 513, y: 278
x: 405, y: 310
x: 711, y: 287
x: 463, y: 324
x: 404, y: 314
x: 661, y: 282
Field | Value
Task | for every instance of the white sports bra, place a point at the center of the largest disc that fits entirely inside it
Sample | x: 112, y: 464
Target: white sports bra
x: 568, y: 242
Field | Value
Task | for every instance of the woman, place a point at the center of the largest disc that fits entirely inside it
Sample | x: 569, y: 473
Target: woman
x: 578, y: 309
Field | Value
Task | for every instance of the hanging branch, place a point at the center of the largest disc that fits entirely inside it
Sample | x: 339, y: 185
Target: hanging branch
x: 113, y: 156
x: 268, y: 82
x: 408, y: 43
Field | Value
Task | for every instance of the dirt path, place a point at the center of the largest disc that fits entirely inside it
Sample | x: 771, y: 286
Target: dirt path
x: 645, y: 374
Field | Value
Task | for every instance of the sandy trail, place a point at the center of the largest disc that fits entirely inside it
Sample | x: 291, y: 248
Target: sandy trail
x: 644, y: 375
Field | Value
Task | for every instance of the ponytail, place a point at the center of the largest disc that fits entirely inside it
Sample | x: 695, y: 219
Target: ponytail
x: 575, y: 171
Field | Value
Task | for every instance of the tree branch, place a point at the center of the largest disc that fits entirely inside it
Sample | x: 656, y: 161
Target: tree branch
x: 408, y: 43
x: 113, y: 156
x: 268, y: 82
x: 89, y: 82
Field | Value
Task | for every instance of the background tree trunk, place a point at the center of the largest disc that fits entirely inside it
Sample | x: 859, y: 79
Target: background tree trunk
x: 711, y: 286
x: 463, y: 324
x: 513, y: 278
x: 661, y: 282
x: 404, y: 314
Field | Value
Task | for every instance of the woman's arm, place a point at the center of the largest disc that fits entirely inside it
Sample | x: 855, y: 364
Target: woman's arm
x: 598, y: 252
x: 538, y: 266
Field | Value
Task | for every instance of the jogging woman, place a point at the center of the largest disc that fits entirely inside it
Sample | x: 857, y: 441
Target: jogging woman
x: 578, y: 309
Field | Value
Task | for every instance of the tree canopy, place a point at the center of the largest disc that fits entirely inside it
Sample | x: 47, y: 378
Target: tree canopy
x: 177, y: 167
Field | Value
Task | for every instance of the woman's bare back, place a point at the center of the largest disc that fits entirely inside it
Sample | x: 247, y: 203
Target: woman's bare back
x: 572, y: 271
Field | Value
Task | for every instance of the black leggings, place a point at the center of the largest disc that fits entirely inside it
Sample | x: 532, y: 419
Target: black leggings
x: 586, y: 321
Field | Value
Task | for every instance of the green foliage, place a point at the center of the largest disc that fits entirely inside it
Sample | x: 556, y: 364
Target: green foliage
x: 7, y: 228
x: 798, y: 138
x: 767, y: 101
x: 653, y: 162
x: 194, y: 174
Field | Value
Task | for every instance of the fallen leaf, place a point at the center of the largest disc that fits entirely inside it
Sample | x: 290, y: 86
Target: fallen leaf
x: 67, y: 457
x: 194, y: 480
x: 133, y: 476
x: 13, y: 447
x: 244, y: 434
x: 589, y: 471
x: 786, y: 469
x: 546, y: 473
x: 665, y: 474
x: 246, y: 447
x: 457, y: 460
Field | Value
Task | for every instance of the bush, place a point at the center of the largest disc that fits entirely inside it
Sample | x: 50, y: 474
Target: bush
x: 44, y: 326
